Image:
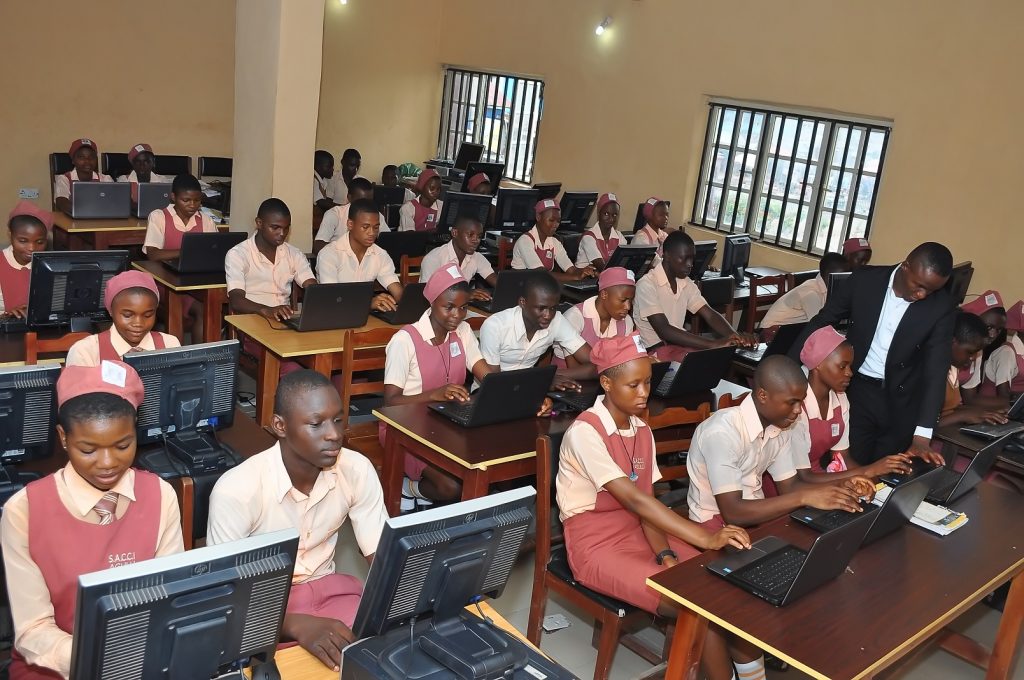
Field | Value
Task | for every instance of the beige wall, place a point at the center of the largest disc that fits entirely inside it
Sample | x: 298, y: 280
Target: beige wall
x: 626, y: 112
x: 115, y: 71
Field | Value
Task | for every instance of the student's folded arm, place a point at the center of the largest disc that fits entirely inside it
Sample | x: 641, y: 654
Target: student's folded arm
x: 671, y: 335
x: 243, y: 305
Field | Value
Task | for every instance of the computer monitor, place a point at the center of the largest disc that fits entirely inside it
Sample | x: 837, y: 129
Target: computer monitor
x: 576, y: 208
x: 384, y: 196
x: 458, y: 204
x: 399, y: 243
x: 494, y: 171
x: 515, y: 209
x: 190, y: 393
x: 959, y: 282
x: 196, y: 614
x: 736, y: 256
x: 836, y: 283
x: 469, y: 152
x: 637, y: 259
x: 28, y: 416
x: 66, y: 287
x: 639, y: 221
x: 549, y: 190
x: 703, y: 254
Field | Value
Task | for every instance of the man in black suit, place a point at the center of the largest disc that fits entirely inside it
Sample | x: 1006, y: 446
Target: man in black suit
x: 901, y: 329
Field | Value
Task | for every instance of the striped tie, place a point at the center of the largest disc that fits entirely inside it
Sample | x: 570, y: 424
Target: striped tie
x: 105, y: 508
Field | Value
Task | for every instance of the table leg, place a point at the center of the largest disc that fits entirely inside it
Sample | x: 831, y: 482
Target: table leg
x: 392, y: 472
x: 266, y: 385
x: 323, y: 364
x: 102, y: 240
x: 1004, y: 650
x: 175, y: 323
x: 687, y: 646
x: 213, y: 304
x: 475, y: 484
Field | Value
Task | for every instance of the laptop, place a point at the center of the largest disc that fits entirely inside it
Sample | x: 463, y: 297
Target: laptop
x: 780, y: 573
x: 507, y: 291
x: 203, y: 253
x: 896, y: 511
x: 586, y: 397
x: 698, y: 371
x: 949, y: 485
x: 101, y: 200
x: 411, y: 306
x: 637, y: 259
x: 780, y: 344
x: 1011, y: 426
x: 330, y: 306
x: 504, y: 396
x: 152, y: 196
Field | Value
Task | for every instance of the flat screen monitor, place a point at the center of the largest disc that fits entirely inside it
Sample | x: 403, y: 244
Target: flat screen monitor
x: 637, y: 259
x: 384, y: 196
x: 458, y: 204
x: 836, y: 283
x: 515, y: 209
x: 639, y: 221
x: 469, y: 152
x: 959, y: 282
x: 736, y: 256
x: 194, y: 615
x: 576, y: 208
x: 549, y: 190
x: 28, y: 417
x: 703, y: 254
x: 66, y: 287
x: 399, y: 243
x: 494, y: 171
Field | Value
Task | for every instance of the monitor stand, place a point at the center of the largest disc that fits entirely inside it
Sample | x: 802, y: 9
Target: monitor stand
x: 200, y: 452
x: 81, y: 324
x: 13, y: 481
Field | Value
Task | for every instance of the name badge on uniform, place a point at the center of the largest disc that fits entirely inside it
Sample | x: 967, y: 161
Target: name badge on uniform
x: 835, y: 429
x: 453, y: 349
x: 548, y: 254
x: 430, y: 217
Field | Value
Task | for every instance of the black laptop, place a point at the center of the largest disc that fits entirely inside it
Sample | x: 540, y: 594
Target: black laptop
x: 331, y: 306
x: 152, y: 196
x: 203, y: 253
x: 637, y: 259
x: 949, y: 485
x: 1011, y: 426
x: 698, y: 371
x: 591, y: 390
x: 507, y: 291
x: 101, y: 200
x: 780, y: 573
x: 410, y: 308
x: 504, y: 396
x: 780, y: 344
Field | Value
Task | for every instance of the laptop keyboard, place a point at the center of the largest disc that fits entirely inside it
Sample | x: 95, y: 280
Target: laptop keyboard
x: 776, y: 572
x: 837, y: 518
x: 583, y: 284
x: 459, y: 412
x: 580, y: 401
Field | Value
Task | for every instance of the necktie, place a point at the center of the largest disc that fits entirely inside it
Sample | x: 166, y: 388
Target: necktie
x: 105, y: 508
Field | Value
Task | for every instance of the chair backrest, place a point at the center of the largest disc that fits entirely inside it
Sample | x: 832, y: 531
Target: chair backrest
x: 547, y: 503
x: 115, y: 164
x: 728, y: 401
x: 409, y: 271
x: 763, y: 291
x: 364, y: 351
x: 672, y: 418
x: 35, y: 346
x: 215, y: 166
x: 505, y: 245
x: 60, y: 163
x: 571, y: 243
x: 173, y: 165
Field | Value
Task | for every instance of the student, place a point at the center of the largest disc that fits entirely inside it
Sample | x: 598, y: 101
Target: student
x: 663, y: 297
x: 606, y: 315
x: 990, y: 308
x: 131, y: 298
x: 355, y: 257
x: 142, y: 161
x: 616, y: 533
x: 389, y: 178
x: 539, y: 249
x: 308, y: 482
x: 655, y: 231
x: 29, y: 227
x: 84, y: 155
x: 333, y: 225
x: 462, y: 252
x: 969, y: 336
x: 351, y: 161
x: 599, y: 242
x: 422, y: 213
x: 427, y: 361
x: 857, y: 252
x: 479, y: 183
x: 260, y: 270
x: 323, y: 186
x: 733, y: 448
x: 1004, y: 370
x: 803, y: 302
x: 95, y: 513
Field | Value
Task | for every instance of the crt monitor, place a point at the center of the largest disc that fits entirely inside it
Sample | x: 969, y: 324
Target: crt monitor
x: 459, y: 204
x: 736, y: 256
x: 576, y: 208
x: 469, y: 152
x: 703, y: 254
x: 66, y: 287
x: 384, y: 196
x: 198, y: 614
x: 959, y: 282
x: 28, y: 417
x: 494, y: 171
x: 548, y: 190
x: 515, y: 209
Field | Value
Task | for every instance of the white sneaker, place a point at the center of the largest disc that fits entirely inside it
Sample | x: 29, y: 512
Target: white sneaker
x: 408, y: 504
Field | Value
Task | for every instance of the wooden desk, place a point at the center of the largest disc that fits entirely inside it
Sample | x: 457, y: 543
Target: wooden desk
x: 969, y: 445
x: 209, y: 289
x: 100, y: 234
x: 476, y: 456
x: 897, y: 594
x: 12, y: 348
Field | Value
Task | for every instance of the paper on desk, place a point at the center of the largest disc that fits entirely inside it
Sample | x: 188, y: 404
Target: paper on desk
x: 211, y: 193
x: 934, y: 518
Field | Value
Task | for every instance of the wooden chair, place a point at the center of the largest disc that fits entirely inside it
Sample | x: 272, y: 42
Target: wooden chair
x: 728, y: 401
x: 505, y: 246
x: 410, y: 269
x: 764, y: 290
x: 364, y: 351
x: 34, y: 346
x: 676, y: 426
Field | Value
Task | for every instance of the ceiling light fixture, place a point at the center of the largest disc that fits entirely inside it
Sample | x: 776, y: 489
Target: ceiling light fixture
x: 605, y: 23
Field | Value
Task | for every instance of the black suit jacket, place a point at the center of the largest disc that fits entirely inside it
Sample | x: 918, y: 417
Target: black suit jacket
x: 919, y: 356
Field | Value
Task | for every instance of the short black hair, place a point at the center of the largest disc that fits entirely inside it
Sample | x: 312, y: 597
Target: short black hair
x: 541, y: 282
x: 678, y: 239
x: 322, y: 156
x: 360, y: 184
x: 933, y: 257
x: 351, y: 153
x: 30, y: 221
x: 388, y: 168
x: 832, y: 263
x: 273, y: 206
x: 778, y: 372
x: 362, y: 205
x: 185, y: 182
x: 94, y: 406
x: 969, y: 329
x: 293, y: 385
x: 467, y: 219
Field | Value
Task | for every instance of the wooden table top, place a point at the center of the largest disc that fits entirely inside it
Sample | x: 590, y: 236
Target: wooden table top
x: 286, y: 342
x: 953, y: 435
x: 66, y: 223
x: 175, y: 281
x: 472, y: 447
x: 896, y: 592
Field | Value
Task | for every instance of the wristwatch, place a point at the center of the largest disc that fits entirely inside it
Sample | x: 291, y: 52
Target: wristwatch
x: 668, y: 552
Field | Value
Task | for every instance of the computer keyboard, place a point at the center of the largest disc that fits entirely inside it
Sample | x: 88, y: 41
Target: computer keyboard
x: 776, y: 572
x: 580, y: 401
x: 460, y: 412
x: 837, y: 518
x: 13, y: 324
x: 583, y: 284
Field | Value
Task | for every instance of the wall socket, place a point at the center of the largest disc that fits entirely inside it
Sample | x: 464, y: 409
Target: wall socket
x: 28, y: 193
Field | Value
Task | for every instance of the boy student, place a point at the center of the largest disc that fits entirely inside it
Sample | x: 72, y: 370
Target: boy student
x: 29, y: 228
x: 323, y: 174
x: 462, y: 252
x: 989, y: 307
x: 606, y: 315
x: 857, y: 252
x: 479, y: 183
x: 351, y: 161
x: 599, y: 241
x: 663, y: 297
x: 389, y: 178
x: 355, y: 257
x: 539, y: 249
x: 83, y: 154
x: 733, y: 448
x: 131, y: 298
x: 969, y: 336
x: 95, y: 513
x: 306, y: 481
x: 1004, y: 370
x: 655, y: 231
x: 142, y: 161
x: 334, y: 223
x: 803, y: 302
x: 260, y: 270
x: 422, y: 213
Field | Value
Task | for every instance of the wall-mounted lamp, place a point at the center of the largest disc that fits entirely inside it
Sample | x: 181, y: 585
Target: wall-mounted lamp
x: 605, y: 23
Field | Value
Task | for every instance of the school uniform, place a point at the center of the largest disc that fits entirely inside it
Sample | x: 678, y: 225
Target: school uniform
x: 265, y: 282
x: 731, y: 450
x: 323, y: 188
x: 52, y: 533
x: 414, y: 216
x: 654, y: 296
x: 165, y: 228
x: 1005, y: 365
x: 14, y: 279
x: 503, y: 340
x: 970, y: 377
x: 798, y: 305
x: 335, y: 224
x: 585, y: 320
x: 472, y: 265
x: 604, y: 541
x: 62, y: 183
x: 826, y: 432
x: 593, y: 245
x: 110, y: 346
x: 649, y: 236
x: 336, y: 263
x: 532, y: 252
x: 257, y: 497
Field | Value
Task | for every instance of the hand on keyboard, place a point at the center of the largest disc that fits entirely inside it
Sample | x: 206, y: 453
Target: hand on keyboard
x: 861, y: 485
x: 899, y: 464
x: 450, y: 393
x: 831, y: 497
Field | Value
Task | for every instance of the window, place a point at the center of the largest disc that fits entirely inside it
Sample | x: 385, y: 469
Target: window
x: 498, y: 110
x: 798, y: 180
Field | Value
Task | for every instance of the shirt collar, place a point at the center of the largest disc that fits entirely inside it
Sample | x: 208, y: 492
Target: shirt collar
x: 283, y: 483
x: 424, y: 328
x: 660, y: 277
x: 256, y: 253
x: 589, y: 308
x: 122, y: 346
x: 751, y: 422
x: 605, y: 416
x: 9, y: 256
x: 811, y: 404
x: 1018, y: 344
x: 519, y: 325
x: 85, y: 496
x: 536, y: 237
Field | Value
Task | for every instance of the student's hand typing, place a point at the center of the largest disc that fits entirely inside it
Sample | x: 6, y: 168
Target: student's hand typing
x: 19, y: 312
x: 545, y: 408
x: 384, y: 303
x: 480, y: 294
x: 898, y: 463
x: 450, y: 393
x: 587, y: 272
x: 862, y: 486
x: 919, y: 449
x: 972, y: 415
x: 323, y: 638
x: 279, y: 313
x: 831, y: 497
x: 727, y: 535
x: 564, y: 384
x: 747, y: 340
